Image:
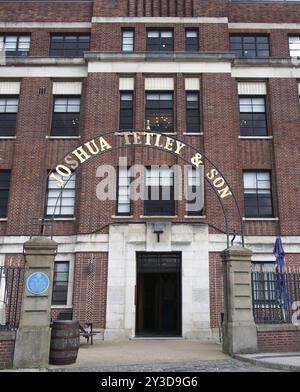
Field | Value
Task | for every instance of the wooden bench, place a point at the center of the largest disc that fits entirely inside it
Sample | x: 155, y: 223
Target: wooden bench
x: 87, y: 332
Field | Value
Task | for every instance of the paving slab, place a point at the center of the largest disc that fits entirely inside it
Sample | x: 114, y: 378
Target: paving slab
x: 281, y: 361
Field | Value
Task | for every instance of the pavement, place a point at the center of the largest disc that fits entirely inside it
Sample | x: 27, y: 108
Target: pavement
x: 170, y: 355
x: 282, y: 361
x: 156, y: 355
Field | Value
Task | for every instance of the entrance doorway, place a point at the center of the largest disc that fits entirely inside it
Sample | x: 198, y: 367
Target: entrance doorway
x: 158, y: 294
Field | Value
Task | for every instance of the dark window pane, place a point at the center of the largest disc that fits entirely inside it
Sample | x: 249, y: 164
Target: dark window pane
x: 126, y: 110
x: 258, y: 194
x: 4, y: 192
x: 60, y: 283
x: 159, y: 41
x: 66, y: 116
x: 250, y: 46
x: 159, y: 111
x: 69, y: 46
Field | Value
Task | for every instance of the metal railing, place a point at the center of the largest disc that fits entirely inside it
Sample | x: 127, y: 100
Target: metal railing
x: 11, y: 288
x: 274, y: 293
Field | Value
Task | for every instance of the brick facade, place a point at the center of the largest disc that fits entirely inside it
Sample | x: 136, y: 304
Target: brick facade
x: 32, y: 154
x: 7, y: 348
x: 278, y: 341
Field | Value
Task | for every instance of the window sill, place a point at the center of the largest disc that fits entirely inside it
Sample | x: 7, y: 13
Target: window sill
x: 158, y: 216
x: 61, y: 307
x: 193, y: 133
x: 3, y: 219
x: 122, y: 216
x: 63, y: 219
x: 63, y: 137
x: 194, y: 217
x: 260, y: 219
x: 8, y: 137
x: 255, y: 137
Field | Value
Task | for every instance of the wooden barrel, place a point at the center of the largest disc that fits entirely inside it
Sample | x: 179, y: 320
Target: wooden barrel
x: 64, y: 342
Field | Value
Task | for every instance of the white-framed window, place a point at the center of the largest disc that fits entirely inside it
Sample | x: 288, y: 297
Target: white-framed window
x: 159, y: 40
x: 294, y: 45
x: 253, y: 116
x: 60, y: 282
x: 127, y: 40
x: 123, y: 191
x: 9, y: 106
x: 258, y: 194
x: 66, y: 116
x: 15, y: 44
x: 159, y: 191
x: 61, y: 201
x: 194, y: 205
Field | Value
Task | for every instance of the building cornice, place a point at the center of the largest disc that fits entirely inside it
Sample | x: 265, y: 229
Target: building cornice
x: 159, y: 57
x: 159, y: 20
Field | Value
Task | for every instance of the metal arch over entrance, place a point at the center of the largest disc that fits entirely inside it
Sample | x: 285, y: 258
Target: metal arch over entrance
x: 119, y: 140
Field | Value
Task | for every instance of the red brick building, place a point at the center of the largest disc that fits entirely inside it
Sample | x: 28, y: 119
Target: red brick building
x: 223, y: 76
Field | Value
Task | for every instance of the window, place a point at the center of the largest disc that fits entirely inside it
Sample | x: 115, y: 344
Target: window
x: 69, y: 45
x: 127, y: 40
x: 4, y: 190
x: 191, y: 41
x: 123, y: 196
x: 192, y: 112
x: 159, y: 111
x: 66, y: 116
x: 258, y: 194
x: 250, y: 46
x: 15, y: 45
x: 8, y: 115
x: 194, y: 206
x: 126, y: 110
x: 159, y: 191
x: 60, y: 283
x: 159, y: 41
x: 294, y: 46
x: 61, y: 201
x: 253, y: 121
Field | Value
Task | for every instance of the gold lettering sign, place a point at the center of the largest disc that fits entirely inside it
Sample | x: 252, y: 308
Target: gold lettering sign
x: 147, y: 139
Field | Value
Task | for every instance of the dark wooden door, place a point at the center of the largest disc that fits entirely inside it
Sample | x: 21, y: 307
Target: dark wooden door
x: 158, y: 307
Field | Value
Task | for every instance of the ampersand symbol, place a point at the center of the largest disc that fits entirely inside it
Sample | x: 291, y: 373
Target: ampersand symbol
x: 197, y: 160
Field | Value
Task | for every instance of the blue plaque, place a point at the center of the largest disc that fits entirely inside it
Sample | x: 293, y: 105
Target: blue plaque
x: 37, y: 283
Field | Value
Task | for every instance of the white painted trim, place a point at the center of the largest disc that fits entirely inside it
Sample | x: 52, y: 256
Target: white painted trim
x: 194, y: 217
x: 159, y: 20
x: 71, y: 259
x: 126, y: 84
x: 163, y: 83
x: 66, y: 88
x: 160, y: 67
x: 10, y: 88
x: 193, y: 133
x: 260, y: 219
x: 192, y: 84
x: 158, y: 217
x: 62, y: 306
x: 64, y: 219
x: 122, y: 216
x: 3, y: 219
x: 281, y: 26
x: 255, y: 137
x: 266, y: 72
x: 63, y: 137
x: 46, y: 25
x: 8, y: 137
x: 252, y: 88
x: 57, y: 71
